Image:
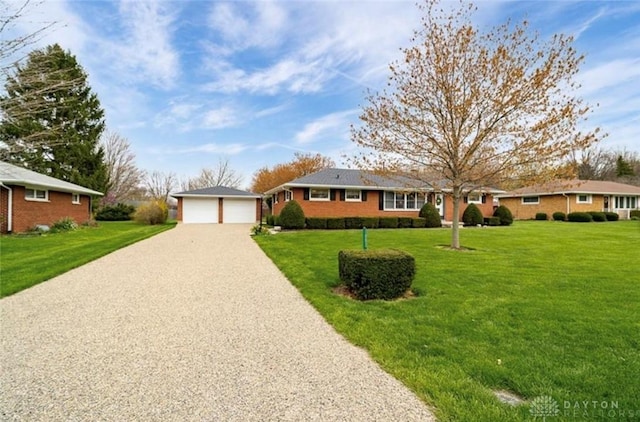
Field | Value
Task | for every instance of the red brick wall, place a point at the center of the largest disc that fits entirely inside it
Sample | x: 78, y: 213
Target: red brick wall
x: 550, y: 204
x: 179, y: 216
x: 27, y: 214
x: 4, y: 209
x: 368, y: 208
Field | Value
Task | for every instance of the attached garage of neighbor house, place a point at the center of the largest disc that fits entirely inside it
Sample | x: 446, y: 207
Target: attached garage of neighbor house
x: 218, y: 205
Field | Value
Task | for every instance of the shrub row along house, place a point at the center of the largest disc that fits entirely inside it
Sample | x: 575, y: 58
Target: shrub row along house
x: 572, y: 196
x: 357, y: 193
x: 28, y: 199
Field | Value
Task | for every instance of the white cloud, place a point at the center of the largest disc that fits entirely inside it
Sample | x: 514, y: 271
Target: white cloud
x: 144, y: 51
x: 220, y: 118
x: 334, y: 124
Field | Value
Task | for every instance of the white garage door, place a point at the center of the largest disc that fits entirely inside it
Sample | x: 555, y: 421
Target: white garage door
x: 199, y: 210
x: 239, y: 210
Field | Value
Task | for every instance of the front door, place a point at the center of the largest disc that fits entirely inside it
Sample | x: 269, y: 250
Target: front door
x: 606, y: 203
x: 439, y: 203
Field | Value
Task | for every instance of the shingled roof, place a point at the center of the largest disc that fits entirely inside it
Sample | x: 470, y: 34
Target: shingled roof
x: 216, y: 191
x: 359, y: 179
x: 15, y: 175
x: 599, y: 187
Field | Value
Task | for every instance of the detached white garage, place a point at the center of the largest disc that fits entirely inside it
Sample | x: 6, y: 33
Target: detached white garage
x: 218, y: 204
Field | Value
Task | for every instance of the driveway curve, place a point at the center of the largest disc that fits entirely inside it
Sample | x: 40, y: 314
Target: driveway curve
x: 193, y: 324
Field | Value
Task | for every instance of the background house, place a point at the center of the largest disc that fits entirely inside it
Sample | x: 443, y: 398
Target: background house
x: 28, y: 199
x: 572, y: 196
x: 218, y: 204
x: 356, y: 193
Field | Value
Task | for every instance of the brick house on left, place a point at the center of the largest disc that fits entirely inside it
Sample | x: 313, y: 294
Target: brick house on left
x: 28, y: 199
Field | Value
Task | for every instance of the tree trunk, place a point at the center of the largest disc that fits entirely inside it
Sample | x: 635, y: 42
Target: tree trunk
x: 455, y: 227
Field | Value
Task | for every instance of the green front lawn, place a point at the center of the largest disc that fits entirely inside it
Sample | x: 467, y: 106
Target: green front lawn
x: 29, y: 260
x: 536, y: 309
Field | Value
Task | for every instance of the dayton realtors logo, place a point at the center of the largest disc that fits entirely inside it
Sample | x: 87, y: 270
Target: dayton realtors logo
x: 543, y: 407
x: 546, y: 407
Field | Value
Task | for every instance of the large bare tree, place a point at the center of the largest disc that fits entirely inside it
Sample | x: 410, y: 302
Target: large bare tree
x: 473, y: 109
x: 220, y: 175
x: 160, y: 184
x: 124, y: 177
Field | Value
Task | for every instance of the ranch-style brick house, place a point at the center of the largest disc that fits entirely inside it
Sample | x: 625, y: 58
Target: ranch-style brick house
x: 338, y: 192
x: 572, y: 196
x: 28, y: 199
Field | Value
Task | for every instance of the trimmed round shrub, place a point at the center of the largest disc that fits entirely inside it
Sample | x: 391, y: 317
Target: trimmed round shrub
x: 118, y: 212
x: 504, y: 214
x: 472, y: 216
x: 541, y: 216
x: 291, y: 216
x: 579, y: 217
x: 431, y: 215
x: 388, y: 223
x: 559, y: 216
x: 598, y: 216
x: 611, y: 216
x: 154, y: 212
x: 335, y: 223
x: 316, y: 223
x: 376, y: 274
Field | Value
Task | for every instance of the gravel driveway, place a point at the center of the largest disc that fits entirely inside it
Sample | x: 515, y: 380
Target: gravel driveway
x: 194, y: 324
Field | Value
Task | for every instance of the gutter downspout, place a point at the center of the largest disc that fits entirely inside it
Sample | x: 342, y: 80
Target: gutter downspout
x: 9, y: 207
x: 568, y: 206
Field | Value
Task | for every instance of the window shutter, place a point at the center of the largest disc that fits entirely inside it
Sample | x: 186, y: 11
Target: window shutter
x: 364, y: 196
x: 342, y: 194
x: 332, y: 194
x: 381, y: 200
x: 466, y: 199
x: 306, y: 194
x: 484, y: 198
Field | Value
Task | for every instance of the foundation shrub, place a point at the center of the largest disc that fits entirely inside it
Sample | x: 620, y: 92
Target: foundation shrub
x: 541, y: 216
x: 388, y: 223
x: 579, y: 217
x: 472, y: 216
x: 598, y: 216
x: 611, y: 216
x: 404, y: 222
x: 419, y: 222
x: 353, y: 222
x: 504, y: 214
x: 337, y: 223
x: 431, y: 215
x: 315, y: 223
x: 559, y: 216
x: 291, y: 217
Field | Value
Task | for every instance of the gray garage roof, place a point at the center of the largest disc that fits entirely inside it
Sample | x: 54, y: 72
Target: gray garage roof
x: 217, y: 192
x: 14, y: 175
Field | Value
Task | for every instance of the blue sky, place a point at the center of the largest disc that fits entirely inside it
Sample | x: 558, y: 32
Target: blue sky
x: 189, y: 82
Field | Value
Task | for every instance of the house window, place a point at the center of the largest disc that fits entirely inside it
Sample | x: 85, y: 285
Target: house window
x: 584, y: 199
x: 36, y: 195
x: 474, y: 198
x: 353, y: 195
x: 75, y: 198
x: 275, y: 198
x: 626, y: 202
x: 288, y: 195
x: 319, y: 194
x: 403, y: 201
x: 530, y: 199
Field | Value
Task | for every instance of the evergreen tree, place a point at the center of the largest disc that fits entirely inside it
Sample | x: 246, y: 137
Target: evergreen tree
x: 51, y: 121
x: 623, y: 167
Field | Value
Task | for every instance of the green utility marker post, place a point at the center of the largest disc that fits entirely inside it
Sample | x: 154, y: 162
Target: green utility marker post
x: 364, y: 238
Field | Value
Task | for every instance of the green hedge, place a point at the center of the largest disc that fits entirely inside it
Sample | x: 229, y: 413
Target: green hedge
x: 404, y: 222
x: 579, y: 217
x: 611, y: 216
x: 542, y: 216
x: 419, y: 222
x: 559, y: 216
x: 598, y: 216
x: 118, y: 212
x: 388, y: 222
x: 634, y: 214
x: 370, y: 222
x: 353, y: 222
x: 376, y: 274
x: 314, y: 223
x: 335, y: 223
x: 492, y: 221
